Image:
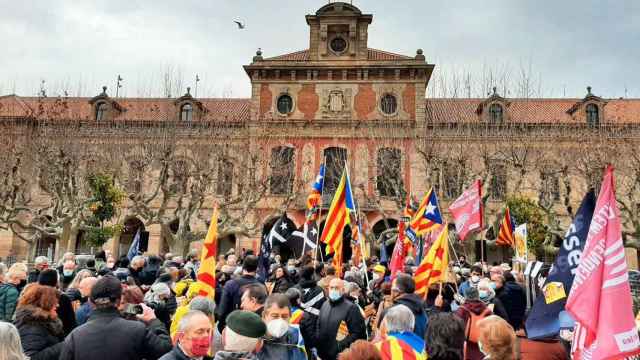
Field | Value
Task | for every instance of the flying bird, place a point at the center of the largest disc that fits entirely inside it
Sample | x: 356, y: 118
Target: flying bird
x: 240, y: 25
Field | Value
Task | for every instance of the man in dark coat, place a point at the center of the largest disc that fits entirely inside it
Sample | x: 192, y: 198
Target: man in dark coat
x: 513, y: 298
x: 108, y: 336
x: 331, y: 336
x: 233, y: 290
x: 40, y: 263
x: 403, y: 290
x: 49, y: 277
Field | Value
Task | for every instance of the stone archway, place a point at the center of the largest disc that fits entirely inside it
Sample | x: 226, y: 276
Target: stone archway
x: 381, y: 226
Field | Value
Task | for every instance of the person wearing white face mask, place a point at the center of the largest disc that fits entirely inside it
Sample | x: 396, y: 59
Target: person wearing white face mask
x: 282, y: 341
x: 476, y: 274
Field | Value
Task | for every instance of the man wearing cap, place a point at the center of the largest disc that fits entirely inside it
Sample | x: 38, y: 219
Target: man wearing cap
x: 242, y: 337
x: 107, y: 335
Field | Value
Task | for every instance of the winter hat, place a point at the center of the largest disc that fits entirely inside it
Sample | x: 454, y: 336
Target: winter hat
x: 107, y: 289
x: 48, y: 277
x: 247, y: 324
x: 471, y: 293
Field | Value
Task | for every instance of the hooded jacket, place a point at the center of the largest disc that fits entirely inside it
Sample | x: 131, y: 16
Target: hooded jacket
x: 40, y: 333
x: 416, y: 305
x: 477, y: 307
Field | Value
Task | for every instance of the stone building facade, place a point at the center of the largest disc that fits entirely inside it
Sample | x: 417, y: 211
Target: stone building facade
x: 337, y: 102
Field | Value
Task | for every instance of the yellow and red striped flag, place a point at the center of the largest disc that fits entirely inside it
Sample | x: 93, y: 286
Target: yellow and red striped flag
x: 337, y: 218
x: 207, y: 270
x: 433, y: 267
x: 393, y: 348
x: 506, y: 236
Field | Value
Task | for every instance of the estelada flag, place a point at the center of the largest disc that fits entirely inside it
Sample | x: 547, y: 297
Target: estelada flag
x: 393, y: 348
x: 338, y: 216
x: 207, y: 270
x: 600, y: 298
x: 506, y: 236
x: 467, y: 210
x: 426, y: 218
x: 433, y: 267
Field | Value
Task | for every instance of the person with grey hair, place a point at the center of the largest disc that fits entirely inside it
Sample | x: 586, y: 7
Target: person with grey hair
x: 136, y: 265
x: 157, y: 299
x: 11, y: 348
x: 205, y: 305
x: 3, y: 271
x: 193, y: 339
x: 399, y: 323
x: 39, y: 264
x: 16, y: 279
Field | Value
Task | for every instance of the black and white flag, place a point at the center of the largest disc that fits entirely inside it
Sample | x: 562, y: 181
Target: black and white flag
x: 279, y: 232
x: 304, y: 239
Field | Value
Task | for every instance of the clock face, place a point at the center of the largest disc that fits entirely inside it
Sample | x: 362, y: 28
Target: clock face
x: 338, y: 45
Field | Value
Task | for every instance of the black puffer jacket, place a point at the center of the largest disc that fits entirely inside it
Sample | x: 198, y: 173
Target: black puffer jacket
x: 40, y: 334
x: 332, y: 314
x: 231, y: 296
x: 108, y: 336
x: 416, y: 305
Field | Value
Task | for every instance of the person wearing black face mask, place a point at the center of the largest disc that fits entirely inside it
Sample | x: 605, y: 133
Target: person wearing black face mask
x: 9, y: 291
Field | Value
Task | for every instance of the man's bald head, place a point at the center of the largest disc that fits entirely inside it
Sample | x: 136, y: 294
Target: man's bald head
x: 86, y: 285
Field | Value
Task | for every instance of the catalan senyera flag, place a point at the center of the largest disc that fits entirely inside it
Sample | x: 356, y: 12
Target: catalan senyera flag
x: 207, y: 270
x: 338, y: 216
x: 392, y: 348
x: 426, y: 217
x: 506, y: 236
x: 433, y: 267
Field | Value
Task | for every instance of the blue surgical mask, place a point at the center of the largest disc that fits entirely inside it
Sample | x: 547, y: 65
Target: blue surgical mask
x: 335, y: 295
x: 493, y: 285
x: 67, y: 272
x: 484, y: 294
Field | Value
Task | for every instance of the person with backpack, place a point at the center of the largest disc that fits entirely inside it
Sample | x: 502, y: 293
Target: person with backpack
x: 471, y: 312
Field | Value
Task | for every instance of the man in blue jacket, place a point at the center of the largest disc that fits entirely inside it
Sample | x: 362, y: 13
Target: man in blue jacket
x: 403, y: 290
x: 233, y: 289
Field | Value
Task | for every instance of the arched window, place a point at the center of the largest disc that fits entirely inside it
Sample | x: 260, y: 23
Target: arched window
x: 593, y: 115
x: 389, y: 104
x: 101, y: 111
x: 282, y: 170
x: 186, y: 112
x: 389, y: 180
x: 495, y: 114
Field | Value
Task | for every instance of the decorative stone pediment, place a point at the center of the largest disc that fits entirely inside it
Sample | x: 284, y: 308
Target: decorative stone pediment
x: 336, y: 103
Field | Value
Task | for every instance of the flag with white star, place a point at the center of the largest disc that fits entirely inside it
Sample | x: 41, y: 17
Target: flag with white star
x: 303, y: 239
x: 427, y: 217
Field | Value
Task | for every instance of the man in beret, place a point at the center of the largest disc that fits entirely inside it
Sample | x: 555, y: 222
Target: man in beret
x: 242, y: 337
x: 108, y: 336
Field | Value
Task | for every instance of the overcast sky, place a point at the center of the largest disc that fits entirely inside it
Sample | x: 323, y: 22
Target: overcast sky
x: 78, y: 46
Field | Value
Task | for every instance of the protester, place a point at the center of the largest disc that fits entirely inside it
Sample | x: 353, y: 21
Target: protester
x: 242, y: 336
x: 124, y: 339
x: 66, y: 314
x: 100, y: 260
x: 281, y: 280
x: 192, y: 291
x: 282, y: 341
x: 471, y: 312
x: 329, y: 273
x: 513, y: 297
x: 73, y: 291
x: 445, y: 337
x: 85, y: 310
x: 135, y: 269
x: 312, y: 295
x: 476, y: 275
x: 193, y: 338
x: 403, y: 290
x: 328, y: 335
x: 497, y: 339
x: 3, y: 272
x: 40, y: 329
x: 157, y: 298
x: 67, y: 274
x: 488, y: 296
x: 232, y: 292
x: 11, y: 348
x: 131, y: 297
x: 361, y: 350
x: 294, y: 295
x: 110, y: 264
x: 253, y: 298
x: 40, y: 263
x: 16, y: 279
x: 495, y: 272
x: 399, y: 323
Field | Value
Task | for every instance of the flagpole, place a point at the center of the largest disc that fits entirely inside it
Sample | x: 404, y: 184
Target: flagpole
x: 315, y: 253
x: 357, y: 211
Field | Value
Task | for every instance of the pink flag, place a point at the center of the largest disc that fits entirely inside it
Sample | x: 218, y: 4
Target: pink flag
x: 467, y: 210
x: 399, y: 252
x: 600, y: 298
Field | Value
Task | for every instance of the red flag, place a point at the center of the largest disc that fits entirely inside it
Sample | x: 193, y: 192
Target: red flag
x: 399, y: 252
x: 467, y: 210
x: 600, y: 298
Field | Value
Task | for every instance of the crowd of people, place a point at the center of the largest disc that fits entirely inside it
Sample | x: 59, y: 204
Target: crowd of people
x: 153, y: 307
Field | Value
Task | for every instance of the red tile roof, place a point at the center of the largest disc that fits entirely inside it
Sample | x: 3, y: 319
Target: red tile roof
x: 132, y: 108
x: 372, y: 54
x: 536, y: 111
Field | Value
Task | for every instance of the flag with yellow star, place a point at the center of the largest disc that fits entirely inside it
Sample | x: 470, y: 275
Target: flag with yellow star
x: 207, y: 270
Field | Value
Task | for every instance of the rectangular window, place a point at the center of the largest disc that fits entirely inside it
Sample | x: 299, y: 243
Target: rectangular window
x: 282, y: 170
x: 389, y: 180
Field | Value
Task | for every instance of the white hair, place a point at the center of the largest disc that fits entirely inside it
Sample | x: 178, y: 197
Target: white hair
x: 137, y: 258
x: 399, y: 318
x: 11, y: 348
x: 41, y: 260
x: 350, y: 286
x: 185, y: 321
x: 238, y: 343
x: 203, y: 304
x: 157, y: 290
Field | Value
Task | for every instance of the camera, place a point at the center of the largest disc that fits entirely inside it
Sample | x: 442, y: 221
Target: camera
x: 133, y: 310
